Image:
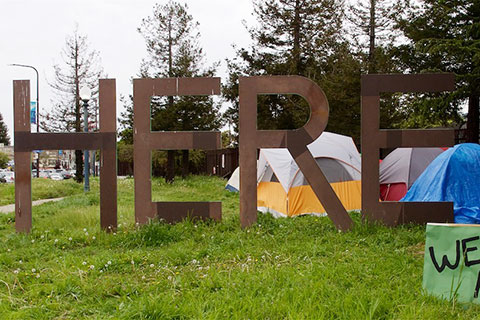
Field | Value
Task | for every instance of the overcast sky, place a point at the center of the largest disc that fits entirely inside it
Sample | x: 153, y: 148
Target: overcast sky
x: 33, y: 32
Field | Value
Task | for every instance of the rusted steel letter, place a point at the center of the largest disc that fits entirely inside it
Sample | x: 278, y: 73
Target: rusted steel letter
x: 145, y: 141
x: 26, y: 142
x: 373, y: 138
x: 295, y: 140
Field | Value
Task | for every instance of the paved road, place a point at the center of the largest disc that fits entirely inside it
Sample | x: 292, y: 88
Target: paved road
x: 11, y: 207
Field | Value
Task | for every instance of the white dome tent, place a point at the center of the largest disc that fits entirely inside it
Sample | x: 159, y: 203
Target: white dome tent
x: 283, y: 190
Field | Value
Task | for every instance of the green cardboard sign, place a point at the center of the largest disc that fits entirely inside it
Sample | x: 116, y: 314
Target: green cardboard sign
x: 452, y: 261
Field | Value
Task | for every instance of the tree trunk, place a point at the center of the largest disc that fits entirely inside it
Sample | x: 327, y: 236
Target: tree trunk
x: 296, y: 40
x: 78, y: 119
x: 371, y: 50
x: 170, y: 176
x: 473, y: 119
x: 79, y: 166
x: 185, y: 160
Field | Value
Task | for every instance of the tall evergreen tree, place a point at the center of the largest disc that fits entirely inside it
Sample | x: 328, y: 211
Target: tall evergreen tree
x: 80, y: 67
x: 126, y: 120
x: 4, y: 138
x: 372, y: 30
x: 297, y: 37
x: 445, y: 37
x: 172, y: 40
x: 372, y: 34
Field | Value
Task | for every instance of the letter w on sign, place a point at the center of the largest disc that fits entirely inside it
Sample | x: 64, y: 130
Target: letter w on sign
x: 451, y: 268
x: 295, y: 141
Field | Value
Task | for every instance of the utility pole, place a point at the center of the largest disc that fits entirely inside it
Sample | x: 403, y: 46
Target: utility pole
x: 38, y: 108
x: 85, y: 95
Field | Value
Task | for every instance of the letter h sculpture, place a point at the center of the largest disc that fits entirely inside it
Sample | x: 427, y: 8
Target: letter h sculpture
x: 25, y: 142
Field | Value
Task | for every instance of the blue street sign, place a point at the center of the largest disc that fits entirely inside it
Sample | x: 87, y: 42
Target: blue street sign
x: 33, y: 112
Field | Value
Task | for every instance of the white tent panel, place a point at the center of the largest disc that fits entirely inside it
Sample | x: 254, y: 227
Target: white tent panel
x: 328, y: 145
x: 336, y: 146
x: 281, y: 162
x: 233, y: 183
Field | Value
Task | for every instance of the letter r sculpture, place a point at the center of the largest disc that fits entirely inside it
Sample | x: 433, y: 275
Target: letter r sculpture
x: 295, y: 141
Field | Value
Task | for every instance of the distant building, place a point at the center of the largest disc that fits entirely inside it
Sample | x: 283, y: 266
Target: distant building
x: 7, y: 149
x: 56, y: 159
x: 48, y: 158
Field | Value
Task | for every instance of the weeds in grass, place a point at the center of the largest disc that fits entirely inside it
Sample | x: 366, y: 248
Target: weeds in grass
x: 41, y: 189
x: 279, y: 268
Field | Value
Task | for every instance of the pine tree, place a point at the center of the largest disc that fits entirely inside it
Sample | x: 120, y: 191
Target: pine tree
x: 173, y: 50
x: 126, y: 120
x: 80, y: 67
x: 375, y: 36
x: 298, y: 37
x: 445, y: 37
x: 373, y: 31
x: 4, y: 138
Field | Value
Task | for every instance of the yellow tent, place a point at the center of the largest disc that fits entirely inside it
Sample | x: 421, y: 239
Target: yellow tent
x: 283, y: 190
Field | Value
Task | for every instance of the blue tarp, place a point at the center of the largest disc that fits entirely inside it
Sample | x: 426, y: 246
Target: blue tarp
x: 231, y: 188
x: 453, y: 176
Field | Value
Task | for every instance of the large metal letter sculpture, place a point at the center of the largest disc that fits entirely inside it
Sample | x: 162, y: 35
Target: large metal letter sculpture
x: 295, y: 140
x: 26, y: 142
x: 373, y: 139
x: 145, y: 141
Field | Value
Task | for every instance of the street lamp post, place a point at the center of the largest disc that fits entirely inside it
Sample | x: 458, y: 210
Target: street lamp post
x: 38, y: 108
x: 85, y: 95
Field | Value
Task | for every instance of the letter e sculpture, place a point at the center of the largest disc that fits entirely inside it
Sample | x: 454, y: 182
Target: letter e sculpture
x: 145, y: 141
x: 392, y: 213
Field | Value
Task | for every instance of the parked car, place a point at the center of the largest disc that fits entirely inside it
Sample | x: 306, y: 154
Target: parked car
x: 44, y: 174
x: 65, y: 174
x: 56, y: 176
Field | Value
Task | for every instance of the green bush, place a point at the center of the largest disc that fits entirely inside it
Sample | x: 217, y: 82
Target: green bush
x: 3, y: 160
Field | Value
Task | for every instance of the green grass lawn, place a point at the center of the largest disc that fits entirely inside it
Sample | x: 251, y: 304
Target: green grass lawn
x: 41, y: 189
x: 300, y: 268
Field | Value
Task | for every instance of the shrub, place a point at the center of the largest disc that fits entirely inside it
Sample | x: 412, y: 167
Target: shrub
x: 3, y: 160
